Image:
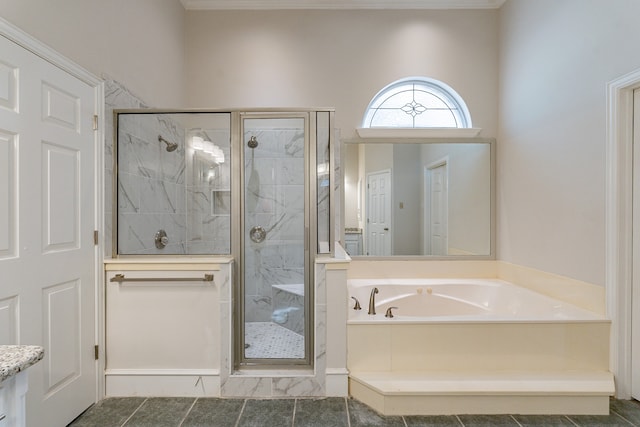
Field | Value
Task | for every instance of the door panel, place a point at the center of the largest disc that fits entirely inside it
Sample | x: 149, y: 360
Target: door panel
x: 439, y: 210
x: 60, y: 199
x: 8, y: 191
x: 47, y: 218
x: 379, y: 213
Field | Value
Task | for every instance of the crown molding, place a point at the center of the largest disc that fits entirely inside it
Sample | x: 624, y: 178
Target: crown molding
x: 339, y: 4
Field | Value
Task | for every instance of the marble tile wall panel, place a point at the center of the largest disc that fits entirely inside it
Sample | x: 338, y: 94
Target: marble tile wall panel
x: 116, y: 97
x: 274, y: 201
x: 151, y: 186
x: 208, y: 199
x: 242, y: 385
x: 156, y: 177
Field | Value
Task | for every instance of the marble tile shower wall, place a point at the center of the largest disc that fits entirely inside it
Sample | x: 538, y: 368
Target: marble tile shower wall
x: 179, y: 191
x: 151, y: 190
x: 274, y: 199
x: 209, y: 199
x: 116, y: 97
x: 199, y: 200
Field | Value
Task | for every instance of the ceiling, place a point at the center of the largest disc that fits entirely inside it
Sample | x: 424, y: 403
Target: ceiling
x: 338, y: 4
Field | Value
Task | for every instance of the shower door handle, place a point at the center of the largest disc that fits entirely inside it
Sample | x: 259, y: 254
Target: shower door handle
x: 257, y: 234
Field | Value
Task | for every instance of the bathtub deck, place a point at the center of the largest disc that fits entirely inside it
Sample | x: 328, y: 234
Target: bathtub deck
x: 484, y: 392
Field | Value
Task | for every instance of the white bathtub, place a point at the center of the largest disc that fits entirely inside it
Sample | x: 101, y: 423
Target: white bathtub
x: 458, y: 300
x: 458, y: 346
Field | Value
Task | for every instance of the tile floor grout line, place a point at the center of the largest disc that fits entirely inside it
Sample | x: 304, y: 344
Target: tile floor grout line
x: 571, y: 421
x: 134, y: 412
x: 346, y: 404
x: 244, y: 403
x: 189, y: 411
x: 293, y: 417
x: 630, y: 423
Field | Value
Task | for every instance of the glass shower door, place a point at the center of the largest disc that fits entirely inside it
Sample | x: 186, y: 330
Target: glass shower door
x: 275, y: 253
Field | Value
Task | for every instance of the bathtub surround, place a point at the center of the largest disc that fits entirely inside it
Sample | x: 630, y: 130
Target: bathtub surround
x: 582, y: 294
x: 524, y: 367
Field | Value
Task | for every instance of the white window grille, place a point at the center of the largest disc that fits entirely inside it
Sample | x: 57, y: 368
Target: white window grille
x: 417, y: 102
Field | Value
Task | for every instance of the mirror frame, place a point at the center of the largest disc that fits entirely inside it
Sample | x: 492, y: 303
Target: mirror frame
x: 430, y: 140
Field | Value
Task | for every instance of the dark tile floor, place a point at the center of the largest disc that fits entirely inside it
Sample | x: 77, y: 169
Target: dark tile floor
x: 329, y: 412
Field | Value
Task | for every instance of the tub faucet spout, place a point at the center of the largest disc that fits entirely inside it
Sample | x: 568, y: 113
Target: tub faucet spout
x: 372, y: 301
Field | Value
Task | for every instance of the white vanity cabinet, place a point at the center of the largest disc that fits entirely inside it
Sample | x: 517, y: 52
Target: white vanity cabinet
x: 14, y: 363
x: 12, y: 400
x: 162, y: 327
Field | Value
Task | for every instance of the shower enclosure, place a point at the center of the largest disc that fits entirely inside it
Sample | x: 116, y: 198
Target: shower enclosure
x: 252, y: 184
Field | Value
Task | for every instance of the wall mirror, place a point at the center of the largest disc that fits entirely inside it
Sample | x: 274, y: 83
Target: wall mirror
x: 430, y: 199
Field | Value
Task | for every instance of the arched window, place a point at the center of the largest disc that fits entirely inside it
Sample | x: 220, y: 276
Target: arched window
x: 417, y: 102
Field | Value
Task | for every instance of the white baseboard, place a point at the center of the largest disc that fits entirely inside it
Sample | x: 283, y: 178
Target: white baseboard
x: 337, y: 382
x: 162, y: 382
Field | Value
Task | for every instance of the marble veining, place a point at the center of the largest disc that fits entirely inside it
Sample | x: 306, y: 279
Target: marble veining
x: 17, y: 358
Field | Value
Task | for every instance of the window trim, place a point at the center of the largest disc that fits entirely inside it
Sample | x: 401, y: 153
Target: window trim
x: 438, y: 89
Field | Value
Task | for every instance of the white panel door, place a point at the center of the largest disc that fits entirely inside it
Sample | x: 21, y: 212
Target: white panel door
x: 379, y: 213
x: 635, y: 300
x: 47, y: 218
x: 439, y: 210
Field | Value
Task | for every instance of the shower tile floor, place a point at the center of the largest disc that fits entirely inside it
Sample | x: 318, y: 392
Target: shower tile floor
x: 324, y: 412
x: 271, y: 341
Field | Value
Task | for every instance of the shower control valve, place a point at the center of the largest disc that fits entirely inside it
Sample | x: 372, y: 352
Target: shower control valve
x: 257, y: 234
x: 161, y: 239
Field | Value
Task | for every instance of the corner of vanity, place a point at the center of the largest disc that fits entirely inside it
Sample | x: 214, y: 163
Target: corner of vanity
x: 14, y: 362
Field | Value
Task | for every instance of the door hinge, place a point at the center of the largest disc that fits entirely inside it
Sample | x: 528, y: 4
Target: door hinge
x: 96, y: 352
x: 95, y: 122
x: 95, y: 237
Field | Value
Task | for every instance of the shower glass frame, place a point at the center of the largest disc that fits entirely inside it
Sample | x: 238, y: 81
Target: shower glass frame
x: 236, y: 186
x: 242, y: 362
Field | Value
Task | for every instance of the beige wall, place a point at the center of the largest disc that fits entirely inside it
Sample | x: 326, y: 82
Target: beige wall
x: 339, y: 59
x: 556, y: 57
x: 545, y: 62
x: 138, y: 43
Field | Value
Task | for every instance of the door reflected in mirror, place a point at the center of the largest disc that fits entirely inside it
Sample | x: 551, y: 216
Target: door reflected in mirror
x: 418, y: 199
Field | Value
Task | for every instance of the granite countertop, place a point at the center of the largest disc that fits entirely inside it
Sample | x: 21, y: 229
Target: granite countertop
x: 16, y: 358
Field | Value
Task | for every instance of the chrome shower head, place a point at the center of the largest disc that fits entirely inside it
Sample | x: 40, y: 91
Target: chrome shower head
x: 171, y: 146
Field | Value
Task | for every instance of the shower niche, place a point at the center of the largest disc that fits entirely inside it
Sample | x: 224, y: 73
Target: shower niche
x: 254, y: 185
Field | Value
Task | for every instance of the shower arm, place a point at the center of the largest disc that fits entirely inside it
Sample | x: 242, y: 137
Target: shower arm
x: 171, y: 146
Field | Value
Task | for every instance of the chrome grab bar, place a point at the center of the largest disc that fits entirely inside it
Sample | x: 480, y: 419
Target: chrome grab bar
x: 119, y: 278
